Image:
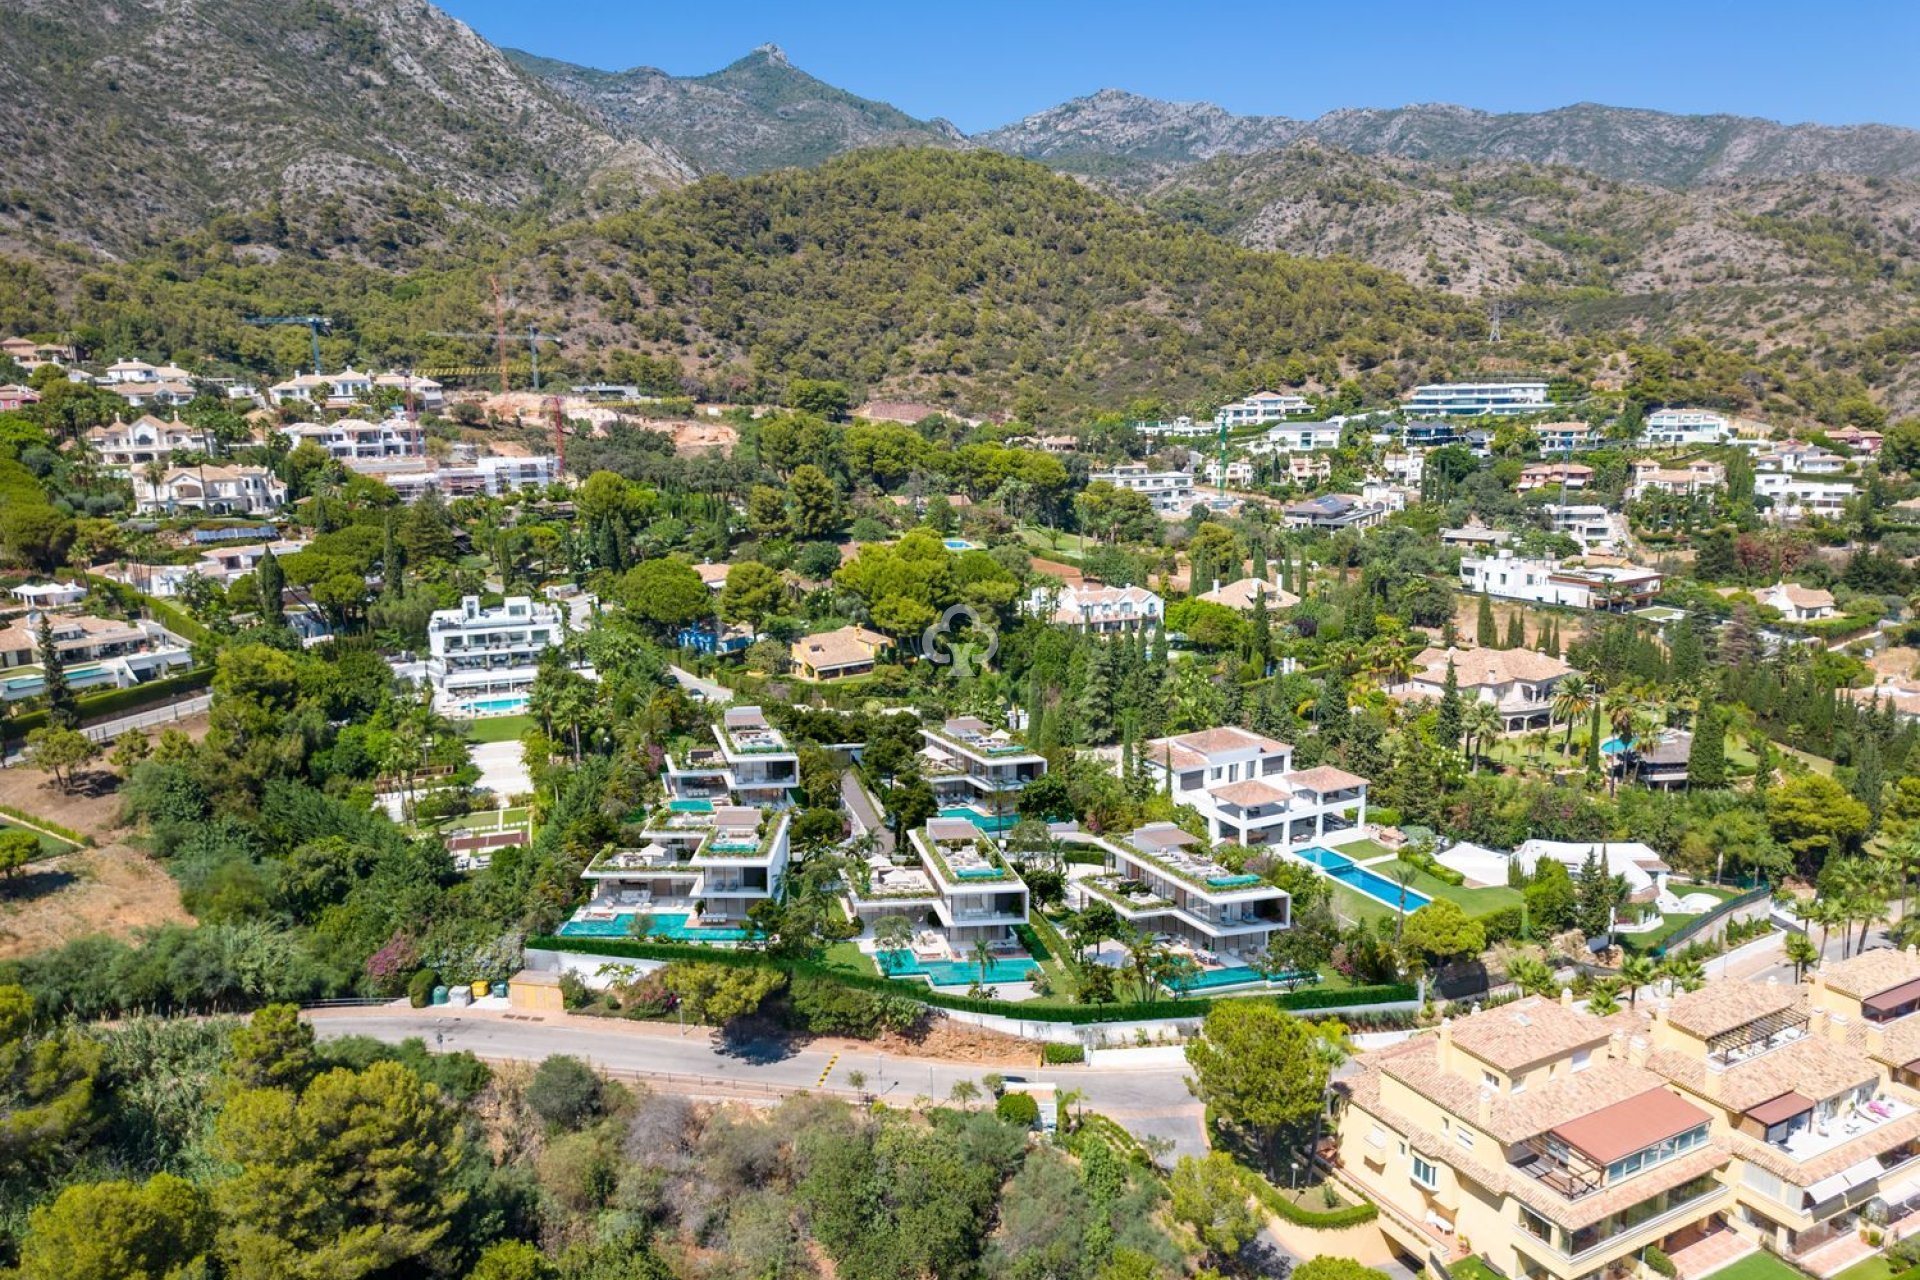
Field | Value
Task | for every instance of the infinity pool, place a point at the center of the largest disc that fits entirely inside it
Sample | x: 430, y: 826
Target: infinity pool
x: 671, y: 926
x: 952, y: 973
x: 992, y: 826
x: 497, y: 706
x: 1346, y: 871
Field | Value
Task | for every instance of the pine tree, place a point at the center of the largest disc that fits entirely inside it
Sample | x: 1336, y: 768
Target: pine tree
x: 1449, y: 632
x: 1869, y: 774
x: 1516, y: 632
x: 1450, y: 722
x: 393, y: 562
x: 1486, y: 630
x: 62, y: 711
x: 1707, y: 757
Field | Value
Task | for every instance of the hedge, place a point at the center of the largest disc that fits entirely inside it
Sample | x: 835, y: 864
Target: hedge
x: 1053, y: 1054
x: 1079, y: 1014
x: 109, y: 703
x: 1273, y: 1202
x: 51, y: 828
x: 164, y: 612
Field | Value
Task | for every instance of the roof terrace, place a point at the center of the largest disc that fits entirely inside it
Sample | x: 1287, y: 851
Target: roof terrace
x: 976, y: 737
x: 960, y: 856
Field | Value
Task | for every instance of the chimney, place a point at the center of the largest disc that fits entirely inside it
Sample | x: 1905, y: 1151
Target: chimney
x: 1485, y: 1109
x: 1817, y: 1024
x: 1446, y: 1042
x: 1876, y: 1039
x: 1837, y: 1027
x: 1637, y: 1051
x: 1566, y: 997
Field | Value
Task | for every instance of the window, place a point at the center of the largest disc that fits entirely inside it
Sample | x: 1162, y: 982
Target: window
x: 1490, y: 1081
x: 1465, y: 1137
x: 1581, y: 1057
x: 1425, y: 1173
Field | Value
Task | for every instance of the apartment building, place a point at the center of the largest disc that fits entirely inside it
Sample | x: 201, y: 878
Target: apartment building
x: 1168, y: 490
x: 333, y: 390
x: 491, y: 477
x: 1477, y: 399
x: 1244, y: 784
x: 1236, y: 474
x: 977, y: 769
x: 1261, y: 406
x: 1699, y: 476
x: 1798, y: 457
x: 1181, y: 427
x: 1536, y: 1136
x: 1511, y: 577
x: 1091, y: 607
x: 421, y: 392
x: 482, y: 660
x: 1301, y: 437
x: 1795, y: 498
x: 1539, y: 475
x: 125, y: 445
x: 1519, y: 683
x: 759, y: 765
x: 234, y: 490
x: 352, y: 440
x: 1682, y: 428
x: 1161, y: 881
x: 951, y: 877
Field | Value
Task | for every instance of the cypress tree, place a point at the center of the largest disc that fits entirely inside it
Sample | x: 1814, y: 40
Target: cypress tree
x: 1450, y: 722
x: 272, y: 581
x: 1869, y: 775
x: 1262, y: 632
x: 1260, y: 559
x: 393, y: 562
x: 1516, y: 632
x: 1687, y: 656
x: 1707, y: 757
x: 62, y: 711
x: 1593, y: 741
x: 1449, y: 632
x: 1486, y: 630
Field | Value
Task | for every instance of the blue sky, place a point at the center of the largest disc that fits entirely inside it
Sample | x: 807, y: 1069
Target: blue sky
x: 988, y: 62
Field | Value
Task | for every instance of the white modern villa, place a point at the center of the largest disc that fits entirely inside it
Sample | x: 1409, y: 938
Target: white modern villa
x: 1261, y: 406
x: 482, y: 660
x: 696, y: 872
x: 1245, y: 786
x: 951, y: 883
x: 1477, y: 399
x: 758, y: 765
x: 1544, y: 581
x: 978, y: 771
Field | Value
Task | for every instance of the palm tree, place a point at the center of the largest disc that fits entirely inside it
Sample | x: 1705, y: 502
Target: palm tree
x: 1482, y: 722
x: 1572, y: 698
x: 1603, y: 1002
x: 1637, y: 971
x: 1146, y: 955
x: 1531, y: 975
x: 1826, y: 910
x: 1069, y: 1100
x: 1402, y: 874
x: 1802, y: 953
x: 891, y: 936
x: 1685, y: 972
x: 983, y: 958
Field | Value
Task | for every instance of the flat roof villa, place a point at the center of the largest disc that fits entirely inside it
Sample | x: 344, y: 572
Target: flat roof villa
x: 977, y: 771
x: 760, y: 766
x: 696, y: 874
x: 1244, y: 785
x: 1477, y: 399
x: 482, y: 660
x: 1542, y: 581
x: 1162, y: 881
x: 96, y: 653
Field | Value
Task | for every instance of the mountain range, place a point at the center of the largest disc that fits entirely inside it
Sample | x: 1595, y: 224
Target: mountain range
x: 386, y: 133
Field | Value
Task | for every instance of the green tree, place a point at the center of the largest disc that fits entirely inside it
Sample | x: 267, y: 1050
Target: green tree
x: 513, y: 1260
x: 1449, y: 722
x: 274, y: 1050
x: 817, y: 512
x: 357, y: 1176
x: 565, y: 1092
x: 1707, y: 754
x: 157, y: 1230
x: 1206, y: 1193
x: 827, y: 398
x: 753, y: 592
x: 1486, y: 631
x: 665, y: 594
x: 17, y: 849
x: 1801, y: 953
x: 62, y: 711
x: 60, y: 752
x: 1815, y: 819
x: 1258, y: 1068
x: 1442, y: 931
x: 46, y: 1087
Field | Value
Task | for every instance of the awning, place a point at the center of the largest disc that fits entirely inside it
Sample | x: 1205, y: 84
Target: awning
x: 1784, y: 1107
x: 1631, y: 1125
x: 1852, y: 1176
x: 1887, y: 1001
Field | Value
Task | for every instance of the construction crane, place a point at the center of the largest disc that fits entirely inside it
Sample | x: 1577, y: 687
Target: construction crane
x: 533, y: 338
x: 315, y: 324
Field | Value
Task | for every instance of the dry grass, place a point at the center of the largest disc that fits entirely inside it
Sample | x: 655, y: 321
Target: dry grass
x: 114, y: 889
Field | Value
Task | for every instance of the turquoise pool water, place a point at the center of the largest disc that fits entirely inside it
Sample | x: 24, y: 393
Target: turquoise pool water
x: 671, y: 926
x: 1614, y: 746
x: 958, y: 544
x: 1347, y: 872
x: 690, y: 806
x: 992, y: 826
x: 952, y: 973
x: 502, y: 706
x: 1214, y: 979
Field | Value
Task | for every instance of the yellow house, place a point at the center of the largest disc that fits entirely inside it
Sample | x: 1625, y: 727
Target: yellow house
x: 836, y: 655
x: 1552, y: 1142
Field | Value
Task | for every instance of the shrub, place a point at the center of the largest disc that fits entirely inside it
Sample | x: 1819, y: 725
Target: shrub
x: 825, y: 1007
x: 564, y: 1092
x: 574, y: 991
x: 1054, y: 1055
x: 1658, y: 1262
x: 420, y: 988
x: 1274, y: 1202
x: 1018, y: 1108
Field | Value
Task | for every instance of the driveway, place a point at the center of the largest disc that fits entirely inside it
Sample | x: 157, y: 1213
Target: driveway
x: 502, y: 770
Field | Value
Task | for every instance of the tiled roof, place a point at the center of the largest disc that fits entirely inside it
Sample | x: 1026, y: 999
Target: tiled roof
x: 1250, y: 793
x: 1240, y: 595
x: 1526, y: 1031
x: 1722, y: 1006
x: 1324, y: 778
x: 1873, y: 1142
x: 1473, y: 668
x: 1814, y: 1066
x: 1191, y: 750
x: 1512, y: 1117
x: 1871, y: 972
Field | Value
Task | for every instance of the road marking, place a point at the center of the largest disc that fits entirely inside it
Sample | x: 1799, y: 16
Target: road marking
x: 829, y: 1069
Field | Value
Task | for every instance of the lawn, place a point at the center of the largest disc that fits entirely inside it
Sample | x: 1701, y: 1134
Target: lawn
x: 498, y: 728
x: 485, y: 820
x: 1354, y: 905
x: 50, y: 846
x: 1878, y: 1267
x: 1472, y: 1269
x: 1761, y: 1266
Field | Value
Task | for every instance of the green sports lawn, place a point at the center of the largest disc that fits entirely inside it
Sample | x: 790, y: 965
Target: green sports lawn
x: 498, y: 728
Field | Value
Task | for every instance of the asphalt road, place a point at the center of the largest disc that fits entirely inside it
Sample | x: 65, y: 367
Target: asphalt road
x: 1148, y: 1101
x: 861, y: 806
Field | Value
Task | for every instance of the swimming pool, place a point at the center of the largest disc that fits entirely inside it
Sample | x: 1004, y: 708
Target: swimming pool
x: 1614, y: 746
x: 952, y: 973
x: 690, y: 806
x: 668, y: 925
x: 1215, y: 979
x: 958, y: 544
x: 992, y: 826
x: 1346, y: 871
x: 496, y: 706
